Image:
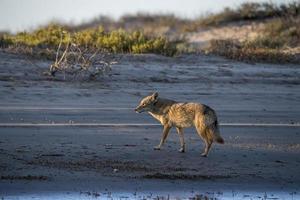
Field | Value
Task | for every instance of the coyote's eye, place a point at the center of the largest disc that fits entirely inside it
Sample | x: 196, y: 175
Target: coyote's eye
x: 143, y: 104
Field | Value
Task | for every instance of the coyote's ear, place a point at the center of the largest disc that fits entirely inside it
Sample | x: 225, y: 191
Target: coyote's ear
x: 155, y: 95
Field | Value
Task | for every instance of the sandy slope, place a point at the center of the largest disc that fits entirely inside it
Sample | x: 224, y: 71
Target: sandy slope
x: 234, y: 31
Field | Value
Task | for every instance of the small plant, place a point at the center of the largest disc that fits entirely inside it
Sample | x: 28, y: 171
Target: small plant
x: 5, y: 41
x: 76, y: 61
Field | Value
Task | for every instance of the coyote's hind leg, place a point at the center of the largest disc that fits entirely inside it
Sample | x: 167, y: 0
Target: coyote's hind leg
x: 202, y: 132
x: 208, y: 144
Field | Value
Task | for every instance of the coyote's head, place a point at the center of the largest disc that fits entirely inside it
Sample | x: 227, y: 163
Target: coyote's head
x: 147, y: 103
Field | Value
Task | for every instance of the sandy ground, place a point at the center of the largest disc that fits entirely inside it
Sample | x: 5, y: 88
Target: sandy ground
x: 88, y: 162
x: 236, y: 31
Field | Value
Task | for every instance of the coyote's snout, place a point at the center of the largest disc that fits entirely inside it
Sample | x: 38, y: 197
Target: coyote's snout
x: 182, y: 115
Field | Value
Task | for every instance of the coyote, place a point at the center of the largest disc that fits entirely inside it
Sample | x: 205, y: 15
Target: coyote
x: 182, y: 115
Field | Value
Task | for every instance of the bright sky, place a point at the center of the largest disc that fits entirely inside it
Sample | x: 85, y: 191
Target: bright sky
x: 19, y: 15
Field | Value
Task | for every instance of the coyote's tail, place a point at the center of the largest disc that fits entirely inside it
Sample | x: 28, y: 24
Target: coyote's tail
x: 215, y: 132
x: 212, y: 126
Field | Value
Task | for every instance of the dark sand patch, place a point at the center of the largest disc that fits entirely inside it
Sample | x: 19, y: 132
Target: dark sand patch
x: 182, y: 176
x: 27, y: 178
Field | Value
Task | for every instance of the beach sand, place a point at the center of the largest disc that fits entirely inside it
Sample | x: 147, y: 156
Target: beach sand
x: 83, y: 140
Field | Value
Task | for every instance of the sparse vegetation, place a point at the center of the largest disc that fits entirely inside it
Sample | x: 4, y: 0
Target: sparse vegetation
x: 252, y: 11
x: 165, y: 34
x: 277, y: 34
x: 152, y: 24
x: 279, y: 42
x: 84, y: 53
x: 168, y: 24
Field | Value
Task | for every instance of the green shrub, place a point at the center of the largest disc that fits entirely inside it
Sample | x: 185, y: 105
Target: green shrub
x: 88, y: 37
x: 5, y: 41
x: 116, y: 41
x: 48, y: 36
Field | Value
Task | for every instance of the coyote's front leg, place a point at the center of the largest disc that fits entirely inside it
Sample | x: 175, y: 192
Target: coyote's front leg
x: 181, y: 139
x: 164, y: 137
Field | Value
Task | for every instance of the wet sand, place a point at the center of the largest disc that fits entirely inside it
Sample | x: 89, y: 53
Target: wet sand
x: 257, y: 162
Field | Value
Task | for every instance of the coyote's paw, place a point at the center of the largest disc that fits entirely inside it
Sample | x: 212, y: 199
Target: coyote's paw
x: 156, y: 148
x: 181, y: 150
x: 204, y: 154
